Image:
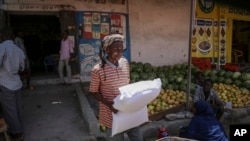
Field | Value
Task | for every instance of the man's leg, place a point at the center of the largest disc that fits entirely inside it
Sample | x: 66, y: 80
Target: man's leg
x: 135, y: 134
x: 60, y: 70
x: 11, y: 106
x: 117, y: 137
x: 68, y: 68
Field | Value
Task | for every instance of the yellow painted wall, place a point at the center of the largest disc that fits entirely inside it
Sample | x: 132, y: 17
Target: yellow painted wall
x: 224, y: 15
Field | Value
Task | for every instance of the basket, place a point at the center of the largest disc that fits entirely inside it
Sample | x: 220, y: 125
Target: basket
x: 161, y: 114
x: 169, y: 138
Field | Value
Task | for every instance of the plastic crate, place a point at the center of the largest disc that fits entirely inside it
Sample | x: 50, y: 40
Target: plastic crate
x: 169, y: 138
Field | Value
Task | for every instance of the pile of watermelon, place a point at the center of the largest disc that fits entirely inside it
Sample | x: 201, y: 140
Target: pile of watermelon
x: 175, y: 76
x: 241, y: 80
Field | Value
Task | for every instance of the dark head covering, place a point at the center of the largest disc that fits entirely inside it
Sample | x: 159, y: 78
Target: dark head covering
x: 204, y: 126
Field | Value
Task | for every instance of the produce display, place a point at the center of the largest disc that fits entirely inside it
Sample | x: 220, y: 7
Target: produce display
x: 231, y: 86
x: 173, y: 77
x: 165, y: 100
x: 231, y: 93
x: 241, y: 80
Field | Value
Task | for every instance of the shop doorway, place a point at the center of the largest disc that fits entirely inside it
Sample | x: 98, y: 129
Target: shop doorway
x: 42, y: 35
x: 241, y: 42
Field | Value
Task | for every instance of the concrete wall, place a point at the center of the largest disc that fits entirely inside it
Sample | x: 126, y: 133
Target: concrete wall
x: 159, y: 31
x: 79, y: 5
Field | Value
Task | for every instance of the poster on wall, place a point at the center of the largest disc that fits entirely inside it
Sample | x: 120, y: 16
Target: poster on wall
x: 222, y: 43
x: 202, y: 38
x: 87, y: 28
x: 97, y: 25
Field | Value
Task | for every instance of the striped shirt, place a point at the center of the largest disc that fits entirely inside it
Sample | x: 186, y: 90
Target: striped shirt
x: 106, y: 81
x: 11, y: 61
x: 66, y: 49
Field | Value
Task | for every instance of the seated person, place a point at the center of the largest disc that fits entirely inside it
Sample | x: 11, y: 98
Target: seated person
x: 199, y: 80
x: 203, y: 126
x: 207, y: 93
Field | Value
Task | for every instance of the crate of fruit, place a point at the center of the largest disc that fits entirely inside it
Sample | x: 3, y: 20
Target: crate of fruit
x: 167, y: 102
x: 161, y: 114
x: 173, y: 138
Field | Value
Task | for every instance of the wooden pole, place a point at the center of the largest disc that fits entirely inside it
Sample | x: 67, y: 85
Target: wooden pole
x: 192, y: 17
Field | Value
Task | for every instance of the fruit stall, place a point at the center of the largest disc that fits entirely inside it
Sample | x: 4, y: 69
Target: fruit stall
x: 231, y: 85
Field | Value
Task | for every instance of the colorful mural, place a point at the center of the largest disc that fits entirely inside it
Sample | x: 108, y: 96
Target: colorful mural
x: 92, y: 28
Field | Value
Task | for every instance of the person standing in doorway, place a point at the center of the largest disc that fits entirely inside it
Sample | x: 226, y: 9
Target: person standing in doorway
x: 25, y: 75
x: 66, y: 53
x: 107, y: 76
x: 12, y: 61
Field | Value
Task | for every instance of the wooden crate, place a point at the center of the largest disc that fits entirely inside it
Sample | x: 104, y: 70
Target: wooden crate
x: 161, y: 114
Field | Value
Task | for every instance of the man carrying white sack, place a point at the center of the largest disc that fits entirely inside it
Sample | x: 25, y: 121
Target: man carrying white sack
x: 107, y: 76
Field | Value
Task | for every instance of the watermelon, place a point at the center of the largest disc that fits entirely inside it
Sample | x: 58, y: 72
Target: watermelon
x: 147, y: 67
x: 183, y: 87
x: 170, y: 87
x: 236, y: 75
x: 246, y: 84
x: 245, y: 76
x: 229, y: 74
x: 221, y: 73
x: 206, y: 73
x: 228, y: 81
x: 214, y: 78
x: 220, y: 80
x: 238, y: 83
x: 213, y: 72
x: 134, y: 76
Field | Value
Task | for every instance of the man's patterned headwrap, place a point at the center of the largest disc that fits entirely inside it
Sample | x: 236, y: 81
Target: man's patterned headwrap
x: 108, y: 40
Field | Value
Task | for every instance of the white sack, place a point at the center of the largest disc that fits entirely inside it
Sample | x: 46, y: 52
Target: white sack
x: 124, y: 121
x: 137, y: 95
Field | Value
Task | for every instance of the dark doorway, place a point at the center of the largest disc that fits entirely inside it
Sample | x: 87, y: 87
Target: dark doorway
x: 41, y: 34
x: 241, y: 42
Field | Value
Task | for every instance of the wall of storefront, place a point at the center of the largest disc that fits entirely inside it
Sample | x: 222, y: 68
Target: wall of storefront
x: 221, y: 28
x: 78, y: 5
x: 159, y: 31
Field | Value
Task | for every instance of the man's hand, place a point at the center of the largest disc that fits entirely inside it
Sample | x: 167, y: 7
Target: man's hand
x: 110, y: 105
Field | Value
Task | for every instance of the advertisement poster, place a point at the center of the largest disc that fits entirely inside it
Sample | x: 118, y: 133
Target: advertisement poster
x: 202, y: 38
x: 93, y: 27
x: 222, y: 43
